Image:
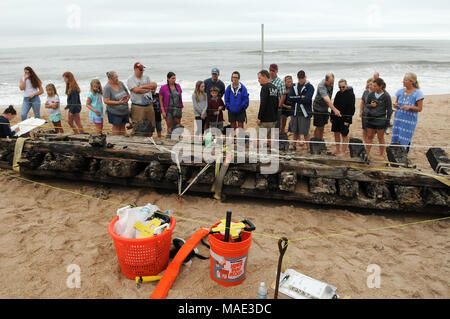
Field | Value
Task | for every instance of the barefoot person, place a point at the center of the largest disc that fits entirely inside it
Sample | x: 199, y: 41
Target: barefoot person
x: 73, y: 103
x: 8, y: 115
x: 31, y: 86
x: 53, y: 105
x: 116, y: 97
x: 139, y: 86
x: 236, y: 102
x: 409, y: 102
x: 364, y: 109
x: 170, y: 97
x: 380, y: 108
x: 300, y: 96
x: 95, y: 105
x: 344, y: 101
x: 321, y: 104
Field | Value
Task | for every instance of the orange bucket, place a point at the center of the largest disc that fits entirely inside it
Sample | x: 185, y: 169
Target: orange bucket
x: 143, y: 256
x: 229, y: 260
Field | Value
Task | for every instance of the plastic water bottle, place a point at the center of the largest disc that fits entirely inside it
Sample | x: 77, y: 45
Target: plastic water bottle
x: 208, y: 139
x: 262, y: 291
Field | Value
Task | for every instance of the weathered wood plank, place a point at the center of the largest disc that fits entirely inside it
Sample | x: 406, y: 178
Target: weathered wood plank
x: 137, y: 149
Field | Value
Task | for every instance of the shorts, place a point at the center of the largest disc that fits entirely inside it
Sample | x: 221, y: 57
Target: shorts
x: 158, y: 127
x: 96, y: 120
x: 239, y: 117
x: 377, y: 123
x: 140, y: 113
x: 300, y: 125
x: 320, y: 119
x: 74, y: 109
x: 117, y: 119
x: 268, y: 126
x: 56, y: 118
x: 338, y: 126
x: 285, y: 112
x: 174, y: 112
x: 364, y: 120
x: 376, y: 127
x: 364, y: 123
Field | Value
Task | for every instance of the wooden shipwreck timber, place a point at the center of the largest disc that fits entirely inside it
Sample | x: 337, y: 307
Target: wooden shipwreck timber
x: 316, y: 179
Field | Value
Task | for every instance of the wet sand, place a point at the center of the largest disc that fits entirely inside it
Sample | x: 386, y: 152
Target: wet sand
x: 45, y: 230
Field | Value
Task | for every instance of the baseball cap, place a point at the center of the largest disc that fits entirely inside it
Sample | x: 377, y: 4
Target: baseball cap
x: 274, y: 67
x: 215, y: 70
x: 301, y: 74
x: 139, y: 66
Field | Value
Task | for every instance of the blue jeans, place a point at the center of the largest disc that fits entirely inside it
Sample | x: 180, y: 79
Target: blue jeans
x: 28, y: 103
x: 158, y: 127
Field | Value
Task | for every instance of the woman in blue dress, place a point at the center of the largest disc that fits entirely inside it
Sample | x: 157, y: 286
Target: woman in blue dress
x: 408, y: 104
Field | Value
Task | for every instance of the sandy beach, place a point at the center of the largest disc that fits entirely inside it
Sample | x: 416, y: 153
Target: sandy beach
x: 44, y: 230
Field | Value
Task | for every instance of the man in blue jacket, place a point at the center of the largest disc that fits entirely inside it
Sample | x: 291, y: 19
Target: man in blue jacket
x: 300, y: 96
x: 236, y: 101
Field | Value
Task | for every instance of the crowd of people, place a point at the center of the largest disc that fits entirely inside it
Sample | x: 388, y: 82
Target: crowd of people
x: 280, y: 101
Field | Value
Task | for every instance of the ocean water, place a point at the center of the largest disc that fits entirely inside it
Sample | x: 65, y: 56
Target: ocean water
x: 354, y: 61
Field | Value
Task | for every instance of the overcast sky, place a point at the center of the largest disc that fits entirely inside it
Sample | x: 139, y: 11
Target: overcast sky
x: 64, y: 22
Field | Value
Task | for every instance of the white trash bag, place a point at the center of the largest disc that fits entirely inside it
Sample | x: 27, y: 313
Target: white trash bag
x: 129, y: 216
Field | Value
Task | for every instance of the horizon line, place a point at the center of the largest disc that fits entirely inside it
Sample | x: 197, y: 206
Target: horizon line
x: 225, y: 40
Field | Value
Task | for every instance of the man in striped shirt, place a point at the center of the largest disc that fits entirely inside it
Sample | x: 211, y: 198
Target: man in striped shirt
x: 279, y: 84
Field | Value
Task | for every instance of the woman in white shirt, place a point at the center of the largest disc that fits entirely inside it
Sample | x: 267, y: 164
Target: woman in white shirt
x: 31, y: 86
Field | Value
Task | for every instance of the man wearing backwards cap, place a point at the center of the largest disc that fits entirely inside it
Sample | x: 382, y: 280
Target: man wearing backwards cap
x: 214, y: 81
x: 275, y: 80
x: 141, y: 96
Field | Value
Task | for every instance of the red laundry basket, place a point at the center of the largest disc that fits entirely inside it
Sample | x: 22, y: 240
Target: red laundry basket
x: 143, y: 256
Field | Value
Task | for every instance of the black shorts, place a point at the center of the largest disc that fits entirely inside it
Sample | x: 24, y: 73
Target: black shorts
x: 338, y: 126
x: 74, y: 109
x: 320, y: 120
x: 376, y: 123
x: 376, y: 127
x: 240, y: 117
x: 285, y: 112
